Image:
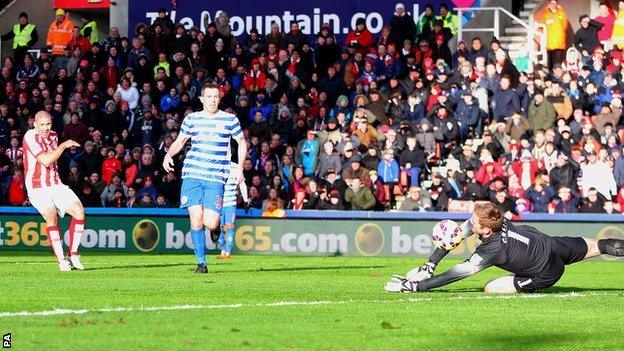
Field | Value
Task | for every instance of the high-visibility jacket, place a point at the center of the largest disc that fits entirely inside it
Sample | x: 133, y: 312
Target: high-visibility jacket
x: 22, y: 37
x: 59, y: 34
x: 94, y: 36
x: 556, y: 27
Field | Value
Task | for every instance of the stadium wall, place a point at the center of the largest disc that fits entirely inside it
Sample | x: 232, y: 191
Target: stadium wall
x: 316, y: 233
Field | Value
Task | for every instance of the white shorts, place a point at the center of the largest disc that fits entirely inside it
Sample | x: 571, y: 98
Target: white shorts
x: 59, y: 197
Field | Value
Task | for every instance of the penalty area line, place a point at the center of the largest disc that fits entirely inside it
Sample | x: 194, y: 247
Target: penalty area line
x: 62, y: 311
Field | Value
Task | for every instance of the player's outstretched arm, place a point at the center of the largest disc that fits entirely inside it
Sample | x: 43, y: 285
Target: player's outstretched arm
x: 48, y: 158
x: 463, y: 270
x: 426, y: 270
x: 174, y: 149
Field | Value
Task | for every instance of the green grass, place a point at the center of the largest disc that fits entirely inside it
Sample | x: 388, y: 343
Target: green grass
x: 583, y: 311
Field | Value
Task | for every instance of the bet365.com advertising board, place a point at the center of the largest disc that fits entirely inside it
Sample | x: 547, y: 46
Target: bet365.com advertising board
x: 135, y: 234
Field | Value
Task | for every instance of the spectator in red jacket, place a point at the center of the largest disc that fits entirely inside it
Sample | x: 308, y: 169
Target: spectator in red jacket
x: 255, y: 80
x: 17, y: 189
x: 360, y: 38
x: 525, y: 169
x: 488, y: 170
x: 110, y: 166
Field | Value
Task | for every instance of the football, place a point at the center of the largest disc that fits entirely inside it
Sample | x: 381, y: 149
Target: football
x: 447, y: 235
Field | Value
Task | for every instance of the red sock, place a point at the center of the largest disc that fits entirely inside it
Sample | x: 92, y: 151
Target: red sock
x: 54, y: 238
x: 76, y: 229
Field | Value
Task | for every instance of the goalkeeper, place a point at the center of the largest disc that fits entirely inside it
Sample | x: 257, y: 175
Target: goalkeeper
x: 536, y: 260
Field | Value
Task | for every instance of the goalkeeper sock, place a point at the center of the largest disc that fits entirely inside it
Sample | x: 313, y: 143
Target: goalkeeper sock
x: 199, y: 244
x: 54, y: 237
x: 229, y: 240
x: 613, y: 247
x: 222, y: 241
x: 437, y: 256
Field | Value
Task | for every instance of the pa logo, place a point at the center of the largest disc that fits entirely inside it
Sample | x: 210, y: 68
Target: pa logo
x: 6, y: 341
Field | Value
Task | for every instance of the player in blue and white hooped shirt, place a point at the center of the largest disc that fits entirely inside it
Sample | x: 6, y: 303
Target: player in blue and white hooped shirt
x: 228, y: 214
x: 206, y: 166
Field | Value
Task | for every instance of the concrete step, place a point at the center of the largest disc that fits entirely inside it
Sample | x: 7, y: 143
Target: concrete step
x: 513, y: 46
x: 516, y: 30
x: 512, y: 38
x: 525, y: 14
x: 530, y: 6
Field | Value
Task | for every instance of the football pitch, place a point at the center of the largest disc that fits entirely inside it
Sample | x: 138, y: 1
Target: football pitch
x: 155, y: 302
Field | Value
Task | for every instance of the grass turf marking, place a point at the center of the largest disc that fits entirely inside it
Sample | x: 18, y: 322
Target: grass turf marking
x: 58, y: 311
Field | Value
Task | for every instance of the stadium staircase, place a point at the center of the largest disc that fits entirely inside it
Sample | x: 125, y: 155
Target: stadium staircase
x: 514, y: 37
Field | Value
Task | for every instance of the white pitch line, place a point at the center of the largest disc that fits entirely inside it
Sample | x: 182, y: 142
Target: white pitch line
x: 59, y: 311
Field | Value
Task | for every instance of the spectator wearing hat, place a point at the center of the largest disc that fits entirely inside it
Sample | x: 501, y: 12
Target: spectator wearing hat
x: 525, y: 169
x: 439, y: 193
x: 365, y: 132
x: 517, y: 126
x: 146, y: 129
x: 148, y: 187
x: 331, y: 202
x: 597, y: 174
x: 566, y: 201
x: 388, y: 170
x: 467, y: 114
x: 355, y: 170
x: 377, y: 107
x: 28, y: 70
x: 59, y: 33
x: 402, y: 25
x: 295, y: 36
x: 425, y: 23
x: 445, y: 130
x: 89, y: 197
x: 360, y: 37
x: 328, y: 159
x: 556, y: 22
x: 24, y: 35
x: 379, y: 190
x: 164, y: 21
x: 541, y: 112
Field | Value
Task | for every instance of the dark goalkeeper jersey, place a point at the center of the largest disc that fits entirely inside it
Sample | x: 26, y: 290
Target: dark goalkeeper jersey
x: 521, y: 250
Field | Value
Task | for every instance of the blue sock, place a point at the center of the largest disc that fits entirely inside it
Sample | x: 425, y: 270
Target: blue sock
x: 222, y: 241
x: 199, y: 244
x: 229, y: 239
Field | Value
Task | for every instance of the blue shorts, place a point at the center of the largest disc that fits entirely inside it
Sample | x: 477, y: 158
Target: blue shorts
x: 228, y: 215
x: 201, y: 192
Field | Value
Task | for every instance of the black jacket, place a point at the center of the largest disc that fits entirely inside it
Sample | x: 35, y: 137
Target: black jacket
x: 587, y: 38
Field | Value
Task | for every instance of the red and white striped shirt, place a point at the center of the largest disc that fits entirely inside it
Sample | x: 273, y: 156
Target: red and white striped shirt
x: 37, y: 175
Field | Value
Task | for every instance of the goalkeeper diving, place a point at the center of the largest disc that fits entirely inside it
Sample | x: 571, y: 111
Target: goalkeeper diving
x: 537, y: 261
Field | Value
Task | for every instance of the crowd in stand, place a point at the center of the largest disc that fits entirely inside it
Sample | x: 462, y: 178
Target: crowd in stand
x: 392, y: 121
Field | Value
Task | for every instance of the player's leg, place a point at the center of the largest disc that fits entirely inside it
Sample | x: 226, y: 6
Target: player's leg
x: 222, y: 237
x: 213, y: 204
x: 76, y: 230
x: 611, y: 247
x: 196, y: 215
x: 229, y: 231
x: 42, y: 201
x: 501, y: 285
x: 191, y: 197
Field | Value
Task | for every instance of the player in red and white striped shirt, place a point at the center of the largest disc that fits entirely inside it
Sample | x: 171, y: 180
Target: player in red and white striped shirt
x: 46, y: 192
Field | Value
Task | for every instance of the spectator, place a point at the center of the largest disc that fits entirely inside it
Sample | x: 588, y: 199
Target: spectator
x: 359, y: 197
x: 360, y: 37
x: 594, y: 202
x: 556, y: 22
x: 567, y: 202
x: 541, y: 114
x: 505, y: 100
x: 402, y: 25
x: 617, y: 35
x: 59, y: 33
x: 24, y: 35
x: 450, y: 20
x: 417, y: 200
x: 540, y: 196
x: 110, y: 167
x: 586, y: 37
x: 598, y: 175
x: 274, y: 209
x: 605, y: 17
x: 332, y: 202
x: 307, y: 153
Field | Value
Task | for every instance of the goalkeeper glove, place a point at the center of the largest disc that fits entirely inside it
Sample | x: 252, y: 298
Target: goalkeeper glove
x: 400, y: 285
x: 419, y: 273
